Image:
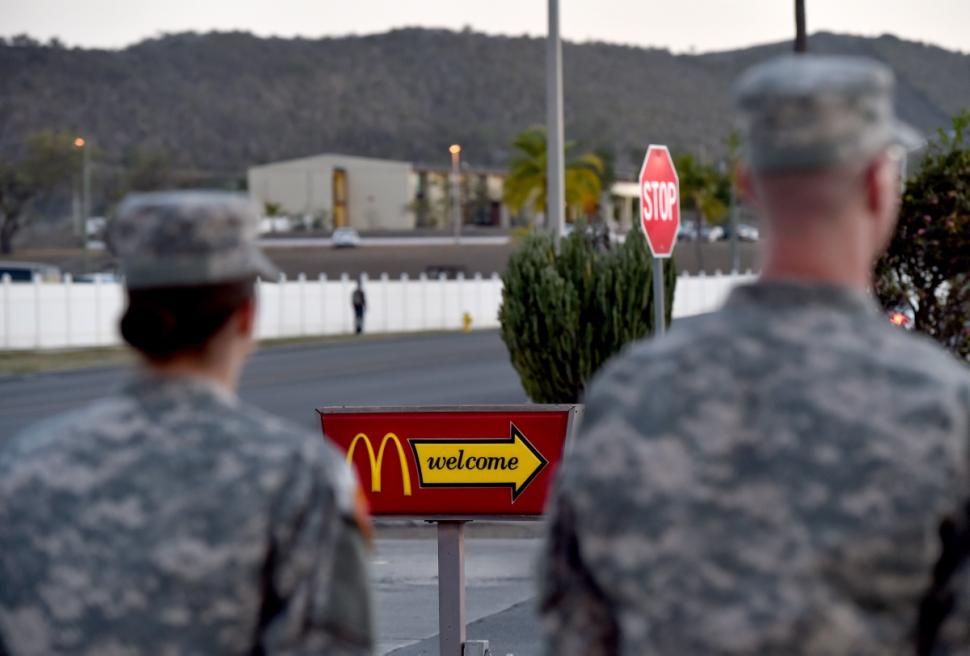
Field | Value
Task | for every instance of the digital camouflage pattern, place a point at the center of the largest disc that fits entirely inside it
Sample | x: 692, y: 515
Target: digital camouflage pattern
x: 173, y: 238
x: 818, y: 111
x: 170, y: 519
x: 767, y: 479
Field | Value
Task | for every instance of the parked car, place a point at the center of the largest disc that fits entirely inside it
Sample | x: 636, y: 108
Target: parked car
x: 745, y: 232
x: 345, y: 238
x: 599, y: 232
x: 26, y: 271
x: 99, y: 276
x: 716, y: 233
x: 687, y: 231
x: 435, y: 271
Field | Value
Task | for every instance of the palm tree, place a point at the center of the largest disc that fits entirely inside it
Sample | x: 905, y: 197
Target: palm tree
x: 801, y: 40
x: 525, y: 185
x: 705, y: 190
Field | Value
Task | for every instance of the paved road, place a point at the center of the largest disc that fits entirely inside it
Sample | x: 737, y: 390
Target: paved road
x: 291, y: 381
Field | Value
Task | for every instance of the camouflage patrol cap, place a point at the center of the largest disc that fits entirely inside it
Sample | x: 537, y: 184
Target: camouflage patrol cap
x: 182, y: 238
x: 803, y: 112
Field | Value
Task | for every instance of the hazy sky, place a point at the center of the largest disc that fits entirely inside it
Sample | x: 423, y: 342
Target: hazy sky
x: 681, y: 25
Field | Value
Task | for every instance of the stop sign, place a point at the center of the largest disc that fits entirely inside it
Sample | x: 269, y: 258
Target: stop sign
x: 659, y: 201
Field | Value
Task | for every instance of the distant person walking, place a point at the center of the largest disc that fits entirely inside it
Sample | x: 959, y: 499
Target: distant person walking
x: 359, y: 300
x: 769, y: 479
x: 170, y: 517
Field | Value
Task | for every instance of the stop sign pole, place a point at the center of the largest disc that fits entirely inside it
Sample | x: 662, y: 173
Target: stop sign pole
x: 660, y: 219
x: 659, y: 315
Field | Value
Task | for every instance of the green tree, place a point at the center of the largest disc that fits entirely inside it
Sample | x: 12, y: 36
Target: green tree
x: 704, y: 189
x: 927, y: 265
x: 16, y: 193
x: 525, y: 185
x: 564, y: 314
x: 49, y: 159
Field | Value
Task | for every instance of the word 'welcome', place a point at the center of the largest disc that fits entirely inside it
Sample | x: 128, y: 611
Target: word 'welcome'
x: 471, y: 463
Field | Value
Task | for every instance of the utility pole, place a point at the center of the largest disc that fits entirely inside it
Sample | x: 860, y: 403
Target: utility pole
x: 727, y: 168
x: 801, y: 37
x: 81, y: 225
x: 555, y: 170
x: 455, y: 151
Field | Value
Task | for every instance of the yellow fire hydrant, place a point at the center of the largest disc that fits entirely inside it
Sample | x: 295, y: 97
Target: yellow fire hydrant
x: 466, y: 322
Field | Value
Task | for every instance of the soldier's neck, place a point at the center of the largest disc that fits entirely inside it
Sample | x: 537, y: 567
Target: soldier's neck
x: 832, y: 262
x: 220, y: 372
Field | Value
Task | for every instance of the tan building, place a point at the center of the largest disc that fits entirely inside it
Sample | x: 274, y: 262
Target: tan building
x: 376, y: 194
x: 342, y: 190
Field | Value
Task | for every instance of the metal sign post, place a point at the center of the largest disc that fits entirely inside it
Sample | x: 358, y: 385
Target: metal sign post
x: 451, y: 586
x: 659, y: 316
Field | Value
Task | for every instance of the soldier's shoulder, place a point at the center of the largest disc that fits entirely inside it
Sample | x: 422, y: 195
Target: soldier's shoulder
x: 313, y: 458
x: 269, y: 432
x: 688, y: 338
x: 269, y: 427
x: 102, y: 415
x: 921, y: 355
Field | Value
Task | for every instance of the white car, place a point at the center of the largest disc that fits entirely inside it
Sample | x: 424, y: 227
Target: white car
x: 345, y: 238
x: 748, y: 232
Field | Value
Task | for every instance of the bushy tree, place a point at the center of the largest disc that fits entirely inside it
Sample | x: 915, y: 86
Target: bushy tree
x: 927, y: 266
x: 49, y: 159
x: 563, y: 315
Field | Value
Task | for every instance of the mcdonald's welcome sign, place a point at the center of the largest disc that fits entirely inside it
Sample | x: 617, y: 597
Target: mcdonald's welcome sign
x: 453, y: 462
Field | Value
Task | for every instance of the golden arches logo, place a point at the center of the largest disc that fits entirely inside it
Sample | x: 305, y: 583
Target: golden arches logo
x: 377, y: 460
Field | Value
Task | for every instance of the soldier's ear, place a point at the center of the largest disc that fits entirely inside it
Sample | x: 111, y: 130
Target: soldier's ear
x: 882, y: 199
x: 245, y: 318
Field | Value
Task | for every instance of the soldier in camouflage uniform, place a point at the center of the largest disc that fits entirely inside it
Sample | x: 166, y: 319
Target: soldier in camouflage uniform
x: 170, y: 518
x: 769, y: 478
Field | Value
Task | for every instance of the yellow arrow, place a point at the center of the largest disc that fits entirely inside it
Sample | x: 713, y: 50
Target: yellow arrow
x: 504, y: 462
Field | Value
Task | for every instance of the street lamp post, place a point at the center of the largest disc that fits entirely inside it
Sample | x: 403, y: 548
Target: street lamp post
x: 726, y: 168
x: 555, y: 173
x: 455, y: 151
x: 80, y: 226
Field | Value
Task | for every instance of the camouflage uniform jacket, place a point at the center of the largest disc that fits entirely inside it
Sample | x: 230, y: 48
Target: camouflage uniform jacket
x: 766, y: 479
x: 171, y: 519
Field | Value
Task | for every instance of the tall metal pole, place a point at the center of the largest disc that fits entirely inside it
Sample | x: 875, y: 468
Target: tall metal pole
x: 81, y: 218
x: 86, y: 201
x: 801, y: 37
x: 455, y: 151
x: 555, y: 169
x: 735, y: 254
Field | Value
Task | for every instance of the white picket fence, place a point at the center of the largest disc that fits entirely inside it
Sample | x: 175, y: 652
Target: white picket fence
x: 59, y: 315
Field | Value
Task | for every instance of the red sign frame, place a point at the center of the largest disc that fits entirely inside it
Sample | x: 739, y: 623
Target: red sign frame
x: 464, y: 442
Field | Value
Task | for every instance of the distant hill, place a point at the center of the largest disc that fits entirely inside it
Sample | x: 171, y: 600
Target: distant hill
x: 223, y: 101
